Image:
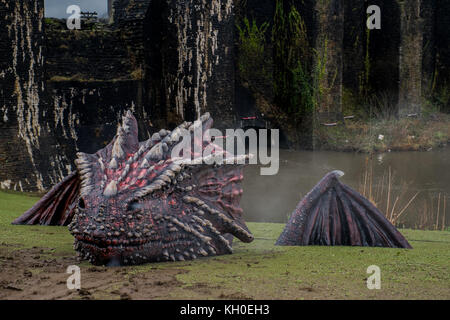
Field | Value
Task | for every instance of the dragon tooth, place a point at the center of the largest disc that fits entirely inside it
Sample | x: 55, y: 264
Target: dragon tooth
x: 212, y: 250
x: 85, y: 170
x: 172, y: 257
x: 165, y: 253
x: 81, y: 155
x: 81, y: 166
x: 87, y: 176
x: 165, y: 178
x: 102, y: 165
x: 202, y: 252
x: 170, y: 173
x: 175, y: 168
x: 180, y: 257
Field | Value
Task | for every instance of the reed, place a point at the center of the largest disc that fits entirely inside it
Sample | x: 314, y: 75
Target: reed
x: 443, y: 216
x: 389, y: 191
x: 377, y: 192
x: 395, y: 198
x: 431, y: 218
x: 437, y: 216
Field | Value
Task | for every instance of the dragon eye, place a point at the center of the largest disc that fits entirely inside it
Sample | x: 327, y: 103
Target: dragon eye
x: 156, y: 195
x: 81, y: 204
x: 134, y: 206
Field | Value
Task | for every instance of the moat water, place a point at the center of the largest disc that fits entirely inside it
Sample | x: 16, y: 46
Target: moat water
x: 273, y: 198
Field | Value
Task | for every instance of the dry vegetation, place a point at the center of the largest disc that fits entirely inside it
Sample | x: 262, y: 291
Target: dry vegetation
x: 408, y: 134
x: 394, y: 202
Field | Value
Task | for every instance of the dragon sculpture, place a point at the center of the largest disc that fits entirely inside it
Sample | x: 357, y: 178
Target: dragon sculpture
x: 333, y: 214
x: 132, y: 202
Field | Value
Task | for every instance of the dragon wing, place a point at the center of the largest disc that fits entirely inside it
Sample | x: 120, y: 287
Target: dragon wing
x: 334, y: 214
x: 57, y: 207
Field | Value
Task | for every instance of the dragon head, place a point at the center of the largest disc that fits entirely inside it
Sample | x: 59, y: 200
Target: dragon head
x: 138, y: 204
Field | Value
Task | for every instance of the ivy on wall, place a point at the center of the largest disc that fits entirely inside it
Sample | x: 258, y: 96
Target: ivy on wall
x: 252, y: 61
x: 292, y: 54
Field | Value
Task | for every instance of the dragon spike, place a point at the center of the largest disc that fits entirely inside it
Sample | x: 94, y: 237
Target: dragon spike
x: 111, y: 189
x: 86, y: 165
x: 158, y: 147
x: 126, y: 140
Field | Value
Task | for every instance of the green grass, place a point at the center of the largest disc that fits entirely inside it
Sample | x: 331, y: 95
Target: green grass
x: 12, y: 205
x: 262, y: 270
x: 266, y: 271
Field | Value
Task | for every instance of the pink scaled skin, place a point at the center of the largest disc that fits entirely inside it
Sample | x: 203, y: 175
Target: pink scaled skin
x: 138, y: 205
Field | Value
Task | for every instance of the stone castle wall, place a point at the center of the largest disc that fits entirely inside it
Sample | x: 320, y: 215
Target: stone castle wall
x: 63, y: 91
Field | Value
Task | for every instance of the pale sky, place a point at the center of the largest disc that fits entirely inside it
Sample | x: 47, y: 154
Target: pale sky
x: 57, y: 8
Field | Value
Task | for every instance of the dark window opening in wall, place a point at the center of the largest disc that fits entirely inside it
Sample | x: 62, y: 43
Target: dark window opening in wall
x: 160, y: 60
x: 440, y: 85
x: 58, y: 8
x: 384, y: 52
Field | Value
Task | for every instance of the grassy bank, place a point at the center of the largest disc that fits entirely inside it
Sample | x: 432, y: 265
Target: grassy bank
x: 34, y: 259
x: 408, y: 134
